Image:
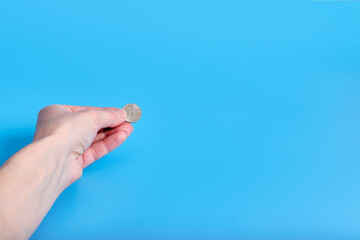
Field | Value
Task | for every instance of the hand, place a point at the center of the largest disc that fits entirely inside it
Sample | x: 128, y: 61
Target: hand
x: 89, y: 133
x: 67, y: 139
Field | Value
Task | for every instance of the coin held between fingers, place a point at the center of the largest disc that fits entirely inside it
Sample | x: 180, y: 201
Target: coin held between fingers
x: 133, y: 112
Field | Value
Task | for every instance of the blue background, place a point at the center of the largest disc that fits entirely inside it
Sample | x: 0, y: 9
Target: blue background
x: 251, y: 121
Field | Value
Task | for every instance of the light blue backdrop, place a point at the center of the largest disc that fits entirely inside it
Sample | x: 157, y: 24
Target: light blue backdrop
x: 251, y: 114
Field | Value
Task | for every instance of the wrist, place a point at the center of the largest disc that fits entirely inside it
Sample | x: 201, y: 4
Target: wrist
x: 53, y: 161
x: 40, y: 163
x: 30, y: 182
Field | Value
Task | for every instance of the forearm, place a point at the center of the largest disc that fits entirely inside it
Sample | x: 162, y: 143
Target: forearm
x: 30, y: 182
x: 67, y: 139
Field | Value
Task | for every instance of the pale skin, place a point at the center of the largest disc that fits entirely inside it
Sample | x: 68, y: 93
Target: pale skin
x: 67, y: 140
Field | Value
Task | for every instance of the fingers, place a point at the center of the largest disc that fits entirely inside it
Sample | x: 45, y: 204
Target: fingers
x: 107, y: 118
x: 107, y: 143
x: 104, y: 117
x: 107, y: 132
x: 79, y: 108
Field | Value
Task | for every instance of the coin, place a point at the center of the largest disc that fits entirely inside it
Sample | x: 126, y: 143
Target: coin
x: 133, y: 112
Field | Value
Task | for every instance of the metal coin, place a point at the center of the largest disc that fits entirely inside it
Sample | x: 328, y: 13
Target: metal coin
x: 133, y: 112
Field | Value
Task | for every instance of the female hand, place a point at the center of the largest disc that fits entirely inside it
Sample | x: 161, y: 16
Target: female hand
x: 88, y: 133
x: 67, y: 139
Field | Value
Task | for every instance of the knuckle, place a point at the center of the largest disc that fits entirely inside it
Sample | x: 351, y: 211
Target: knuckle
x: 114, y: 114
x: 121, y: 137
x: 90, y: 113
x: 47, y: 108
x: 44, y: 109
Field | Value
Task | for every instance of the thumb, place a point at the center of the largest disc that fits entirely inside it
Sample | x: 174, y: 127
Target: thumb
x: 107, y: 118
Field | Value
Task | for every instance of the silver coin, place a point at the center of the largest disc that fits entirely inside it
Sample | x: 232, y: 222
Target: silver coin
x: 133, y: 112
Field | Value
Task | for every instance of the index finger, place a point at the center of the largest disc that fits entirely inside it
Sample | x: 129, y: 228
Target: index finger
x: 72, y: 108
